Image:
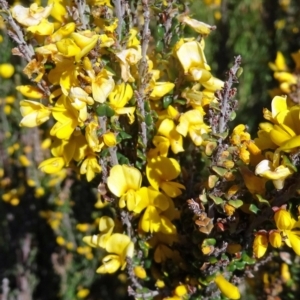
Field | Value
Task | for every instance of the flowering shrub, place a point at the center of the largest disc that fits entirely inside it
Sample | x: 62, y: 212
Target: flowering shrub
x: 127, y: 104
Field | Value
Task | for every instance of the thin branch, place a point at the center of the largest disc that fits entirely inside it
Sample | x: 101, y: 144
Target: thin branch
x: 17, y: 34
x: 119, y: 11
x: 146, y: 295
x: 226, y: 95
x: 5, y: 289
x: 131, y: 274
x: 81, y: 6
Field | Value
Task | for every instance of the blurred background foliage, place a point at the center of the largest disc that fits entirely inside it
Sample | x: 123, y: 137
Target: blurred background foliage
x: 43, y: 218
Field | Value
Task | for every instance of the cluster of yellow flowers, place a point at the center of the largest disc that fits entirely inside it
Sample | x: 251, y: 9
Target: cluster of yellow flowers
x: 119, y: 111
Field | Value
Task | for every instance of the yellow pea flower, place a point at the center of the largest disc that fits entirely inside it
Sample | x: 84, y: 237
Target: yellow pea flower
x: 30, y: 16
x: 30, y: 91
x: 119, y: 97
x: 109, y: 139
x: 260, y: 244
x: 102, y: 85
x: 43, y: 28
x: 67, y: 47
x: 191, y: 54
x: 167, y: 129
x: 192, y: 122
x: 160, y: 173
x: 227, y: 289
x: 200, y: 27
x: 275, y: 238
x: 90, y: 167
x: 34, y: 113
x: 128, y: 57
x: 160, y: 89
x: 123, y: 181
x: 52, y: 165
x: 140, y: 272
x: 120, y: 246
x: 278, y: 175
x: 106, y: 227
x: 92, y: 136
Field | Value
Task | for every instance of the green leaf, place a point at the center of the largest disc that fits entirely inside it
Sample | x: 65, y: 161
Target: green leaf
x: 219, y: 171
x: 180, y: 101
x: 104, y: 110
x: 160, y: 31
x: 253, y: 208
x: 124, y: 135
x: 159, y: 46
x: 240, y: 265
x: 209, y: 242
x: 232, y: 116
x: 231, y: 267
x: 148, y: 120
x: 167, y: 100
x: 246, y: 258
x: 123, y: 160
x: 140, y: 154
x: 216, y: 199
x: 239, y: 72
x: 236, y: 203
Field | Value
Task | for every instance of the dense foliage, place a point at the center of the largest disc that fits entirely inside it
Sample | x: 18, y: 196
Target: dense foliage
x: 134, y: 162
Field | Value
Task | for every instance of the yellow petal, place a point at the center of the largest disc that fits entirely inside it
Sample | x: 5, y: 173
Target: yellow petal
x: 123, y: 178
x: 227, y: 289
x: 52, y: 165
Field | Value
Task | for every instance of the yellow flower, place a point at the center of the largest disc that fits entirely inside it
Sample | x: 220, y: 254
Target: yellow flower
x: 180, y: 290
x: 192, y: 122
x: 167, y: 129
x: 140, y: 272
x: 109, y: 139
x: 82, y: 293
x: 286, y: 224
x: 30, y: 16
x: 30, y: 91
x: 102, y: 85
x: 106, y: 227
x: 279, y: 64
x: 90, y: 167
x: 160, y: 89
x: 67, y: 118
x: 59, y: 11
x: 200, y: 27
x: 275, y: 238
x: 79, y: 99
x: 67, y: 47
x: 34, y: 113
x: 119, y: 97
x: 43, y: 28
x: 278, y: 175
x: 227, y: 289
x: 52, y: 165
x: 160, y: 171
x: 128, y: 57
x: 121, y: 247
x: 260, y: 244
x: 154, y: 202
x: 192, y: 59
x: 6, y: 70
x: 62, y: 32
x: 123, y: 182
x: 92, y: 136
